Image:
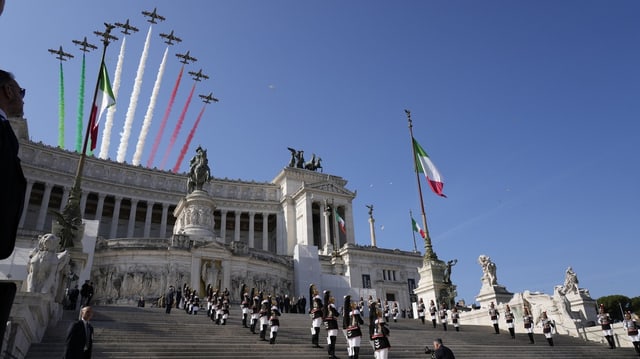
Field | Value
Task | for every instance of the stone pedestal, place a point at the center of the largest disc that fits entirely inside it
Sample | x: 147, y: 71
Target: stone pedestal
x: 194, y: 215
x: 585, y: 305
x: 493, y: 293
x: 431, y: 285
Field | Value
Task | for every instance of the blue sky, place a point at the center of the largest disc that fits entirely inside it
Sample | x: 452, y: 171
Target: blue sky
x: 528, y: 108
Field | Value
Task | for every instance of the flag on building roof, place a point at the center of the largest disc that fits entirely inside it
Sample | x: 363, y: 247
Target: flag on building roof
x: 424, y: 165
x: 340, y: 222
x: 416, y: 228
x: 103, y: 100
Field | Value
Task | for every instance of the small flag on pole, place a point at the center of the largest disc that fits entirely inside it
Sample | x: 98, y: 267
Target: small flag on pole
x: 424, y: 165
x: 416, y: 228
x: 340, y: 222
x: 104, y: 99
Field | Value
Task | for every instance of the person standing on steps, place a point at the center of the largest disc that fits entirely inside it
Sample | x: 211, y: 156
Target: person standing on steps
x: 605, y: 322
x: 442, y: 313
x: 455, y: 318
x: 315, y: 311
x: 433, y: 310
x: 527, y: 320
x: 510, y: 319
x: 351, y: 322
x: 630, y: 325
x: 421, y: 310
x: 274, y: 321
x: 380, y: 337
x: 79, y: 341
x: 168, y: 299
x: 547, y: 325
x: 493, y: 314
x: 330, y: 322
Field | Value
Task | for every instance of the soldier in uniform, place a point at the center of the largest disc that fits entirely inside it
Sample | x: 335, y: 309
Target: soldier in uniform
x: 380, y: 336
x: 263, y: 314
x: 510, y: 319
x: 255, y: 311
x: 351, y: 322
x: 395, y: 311
x: 630, y: 325
x: 331, y: 322
x: 274, y: 320
x: 315, y: 310
x: 421, y: 310
x: 527, y: 319
x: 433, y: 310
x: 225, y: 310
x: 546, y: 324
x: 455, y: 318
x: 493, y: 313
x: 605, y: 322
x: 246, y: 301
x: 442, y: 313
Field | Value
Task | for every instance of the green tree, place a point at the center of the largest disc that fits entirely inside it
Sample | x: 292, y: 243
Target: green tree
x: 613, y: 305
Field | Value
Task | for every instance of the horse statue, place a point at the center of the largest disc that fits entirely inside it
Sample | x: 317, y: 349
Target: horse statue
x: 199, y: 172
x: 313, y: 164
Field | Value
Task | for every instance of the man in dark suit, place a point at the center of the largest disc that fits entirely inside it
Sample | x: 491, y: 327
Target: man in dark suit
x: 442, y: 352
x: 79, y: 340
x: 14, y: 184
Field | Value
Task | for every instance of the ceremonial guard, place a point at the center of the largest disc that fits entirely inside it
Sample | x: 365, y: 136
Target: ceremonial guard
x: 351, y: 322
x: 395, y: 311
x: 387, y: 309
x: 605, y: 322
x: 421, y: 310
x: 219, y: 311
x: 442, y: 313
x: 510, y: 319
x: 527, y: 319
x: 315, y: 310
x: 225, y: 310
x: 255, y: 311
x: 630, y: 325
x: 331, y: 322
x: 244, y: 305
x: 493, y: 313
x: 264, y: 318
x: 546, y: 324
x: 195, y: 305
x: 274, y: 320
x: 380, y: 336
x: 455, y: 318
x: 433, y: 310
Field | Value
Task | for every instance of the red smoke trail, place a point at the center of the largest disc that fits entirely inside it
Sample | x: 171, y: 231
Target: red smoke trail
x: 189, y: 138
x: 174, y: 136
x: 156, y: 142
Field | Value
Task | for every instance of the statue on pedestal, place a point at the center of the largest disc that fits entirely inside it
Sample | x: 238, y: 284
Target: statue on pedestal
x: 199, y: 171
x: 488, y: 270
x: 45, y: 265
x: 447, y: 271
x: 570, y: 282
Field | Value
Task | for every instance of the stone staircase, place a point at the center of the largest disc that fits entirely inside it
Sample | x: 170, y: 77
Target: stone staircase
x: 128, y: 332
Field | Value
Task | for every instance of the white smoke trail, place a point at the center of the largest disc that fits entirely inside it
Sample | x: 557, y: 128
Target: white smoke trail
x: 111, y: 111
x: 133, y: 103
x: 149, y: 115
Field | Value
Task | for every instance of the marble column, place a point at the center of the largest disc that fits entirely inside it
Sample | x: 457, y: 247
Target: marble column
x: 83, y: 202
x: 147, y: 220
x: 116, y: 215
x: 223, y: 226
x: 100, y: 208
x: 236, y: 229
x: 252, y: 216
x: 27, y: 195
x: 328, y: 245
x: 65, y: 198
x: 265, y: 231
x: 44, y: 206
x: 163, y: 222
x: 132, y: 218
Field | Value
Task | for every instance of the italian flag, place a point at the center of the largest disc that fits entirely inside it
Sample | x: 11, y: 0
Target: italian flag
x: 424, y: 165
x: 103, y: 100
x: 340, y: 222
x: 416, y: 228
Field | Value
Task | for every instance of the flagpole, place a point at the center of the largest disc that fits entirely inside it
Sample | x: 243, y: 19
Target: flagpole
x: 71, y: 216
x: 415, y: 246
x: 429, y: 254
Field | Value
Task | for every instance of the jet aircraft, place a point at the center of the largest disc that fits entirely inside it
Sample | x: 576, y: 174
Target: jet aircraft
x: 106, y: 35
x: 186, y: 58
x: 170, y: 38
x: 61, y: 54
x: 198, y: 76
x: 153, y: 15
x: 208, y: 98
x: 127, y: 28
x: 84, y: 45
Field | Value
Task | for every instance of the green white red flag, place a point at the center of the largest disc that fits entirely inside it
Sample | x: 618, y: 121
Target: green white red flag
x: 104, y: 99
x: 416, y: 228
x: 424, y: 165
x: 340, y: 222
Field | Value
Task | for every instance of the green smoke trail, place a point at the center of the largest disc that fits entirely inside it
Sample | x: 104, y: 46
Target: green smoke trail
x: 80, y: 109
x: 61, y: 111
